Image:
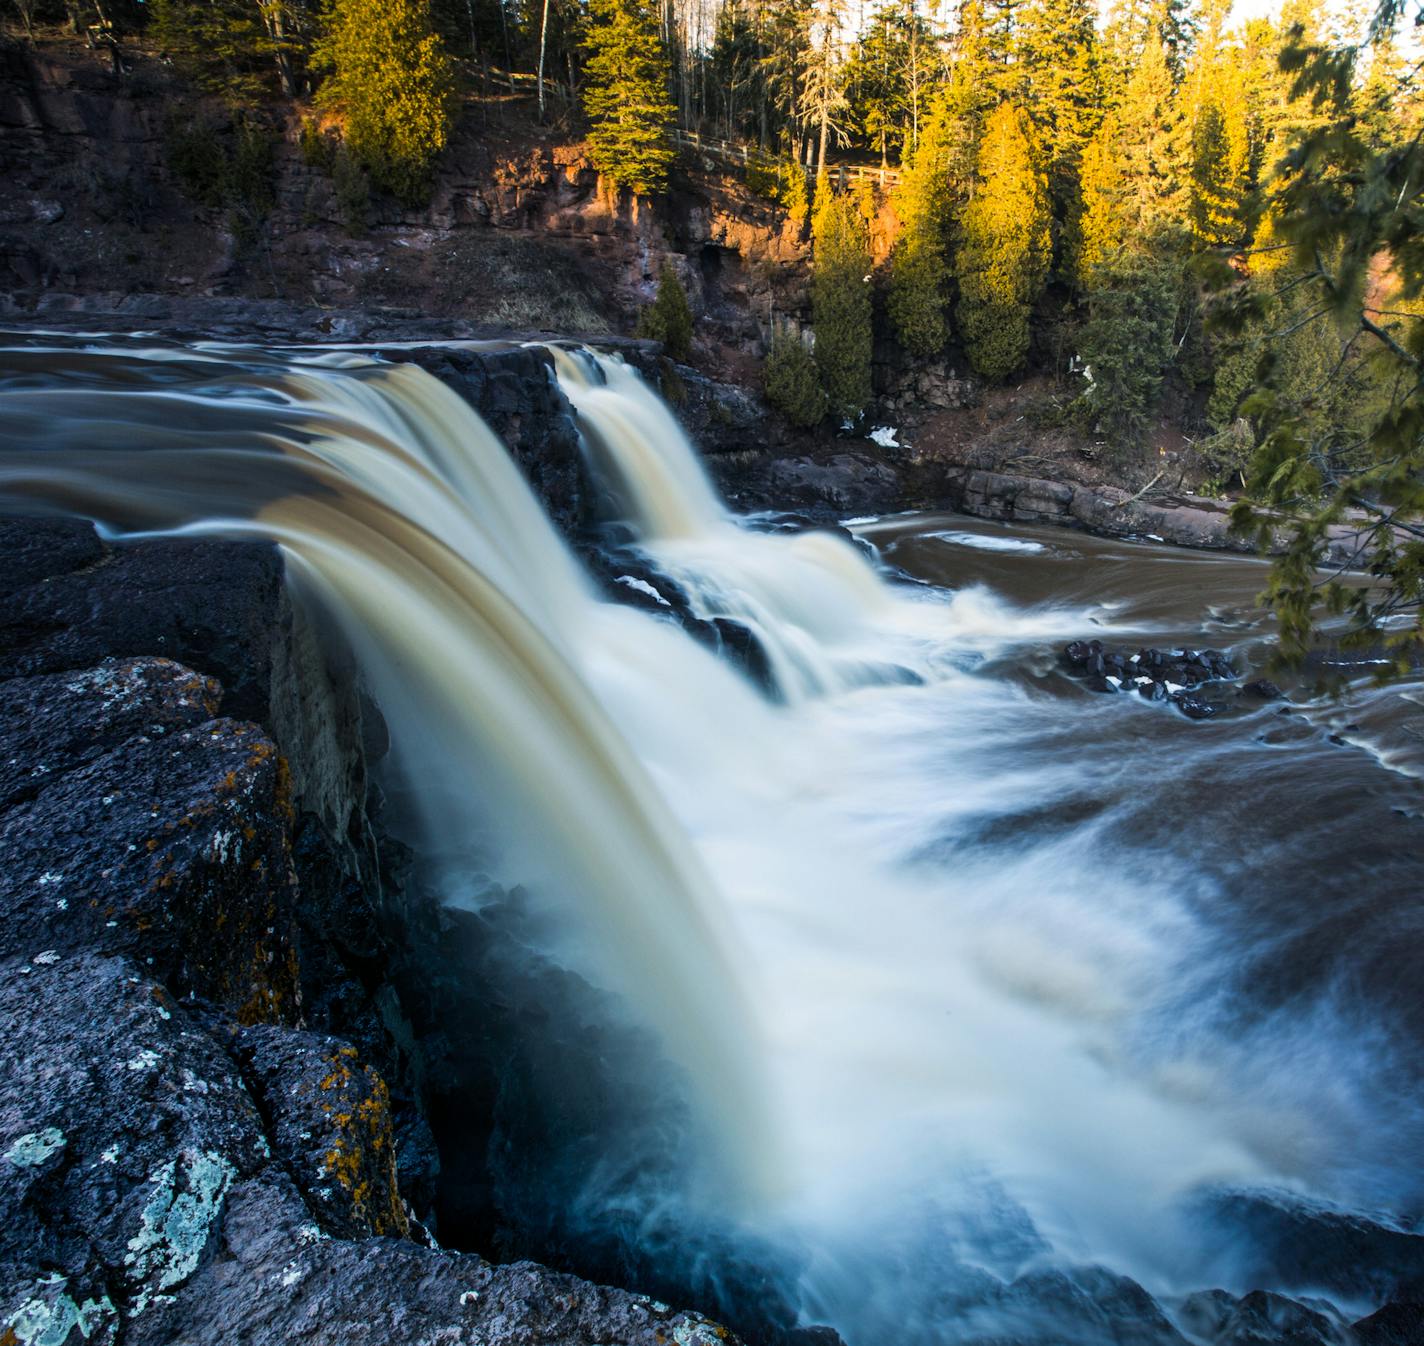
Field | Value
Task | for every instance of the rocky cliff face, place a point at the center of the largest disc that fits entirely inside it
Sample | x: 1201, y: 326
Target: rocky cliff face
x: 521, y: 235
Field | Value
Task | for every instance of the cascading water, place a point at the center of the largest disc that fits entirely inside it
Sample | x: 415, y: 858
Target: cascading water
x: 937, y: 1040
x: 812, y: 600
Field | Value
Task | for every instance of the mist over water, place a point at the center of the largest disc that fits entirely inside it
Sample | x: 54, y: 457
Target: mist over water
x: 968, y: 975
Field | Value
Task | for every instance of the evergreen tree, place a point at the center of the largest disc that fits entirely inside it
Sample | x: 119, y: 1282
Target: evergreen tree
x: 885, y: 79
x: 1126, y: 343
x: 1221, y: 162
x: 1132, y: 177
x: 1062, y: 69
x: 626, y: 96
x: 669, y: 318
x: 841, y: 301
x: 1004, y: 247
x: 919, y: 265
x: 390, y: 81
x: 793, y: 383
x: 234, y: 47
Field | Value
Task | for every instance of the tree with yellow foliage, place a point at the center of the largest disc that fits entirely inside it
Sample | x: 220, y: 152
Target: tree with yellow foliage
x: 390, y: 82
x: 1005, y: 246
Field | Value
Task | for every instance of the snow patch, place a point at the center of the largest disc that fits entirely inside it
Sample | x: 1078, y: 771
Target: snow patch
x: 884, y: 435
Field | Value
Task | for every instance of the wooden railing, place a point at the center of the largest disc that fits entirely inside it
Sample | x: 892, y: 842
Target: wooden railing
x: 746, y: 155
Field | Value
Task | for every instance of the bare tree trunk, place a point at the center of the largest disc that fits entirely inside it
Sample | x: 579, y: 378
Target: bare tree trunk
x: 543, y: 36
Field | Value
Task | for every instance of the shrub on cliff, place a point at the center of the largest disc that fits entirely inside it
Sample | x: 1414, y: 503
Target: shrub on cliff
x: 668, y: 318
x: 792, y: 382
x: 840, y: 301
x: 626, y: 95
x: 390, y: 81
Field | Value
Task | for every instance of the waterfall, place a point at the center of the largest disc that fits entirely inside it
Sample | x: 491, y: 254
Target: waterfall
x: 480, y: 636
x: 812, y: 599
x: 931, y: 1044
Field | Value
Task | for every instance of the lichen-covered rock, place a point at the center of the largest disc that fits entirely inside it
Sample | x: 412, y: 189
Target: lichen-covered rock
x: 121, y: 1130
x: 329, y: 1121
x: 140, y: 1201
x: 168, y: 846
x: 52, y: 724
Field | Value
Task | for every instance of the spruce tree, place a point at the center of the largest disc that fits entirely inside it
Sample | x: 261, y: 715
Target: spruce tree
x: 793, y: 383
x: 669, y: 318
x: 626, y: 95
x: 1058, y: 52
x: 390, y: 82
x: 1004, y: 246
x: 1133, y: 176
x: 841, y: 301
x: 919, y: 265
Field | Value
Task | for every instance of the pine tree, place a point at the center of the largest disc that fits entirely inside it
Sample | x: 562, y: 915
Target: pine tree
x: 841, y: 301
x: 626, y: 96
x: 1133, y: 171
x: 919, y: 265
x: 669, y: 318
x: 1005, y: 246
x: 390, y: 81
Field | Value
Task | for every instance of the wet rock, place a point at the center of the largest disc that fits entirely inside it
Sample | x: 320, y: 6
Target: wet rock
x: 213, y: 605
x: 845, y: 482
x: 1156, y: 675
x: 1194, y: 708
x: 1262, y: 689
x: 1398, y: 1324
x: 1078, y: 1305
x: 1290, y: 1242
x: 168, y: 845
x: 328, y: 1119
x: 140, y: 1200
x: 1260, y: 1318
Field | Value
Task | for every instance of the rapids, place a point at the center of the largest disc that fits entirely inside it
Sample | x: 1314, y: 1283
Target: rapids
x: 971, y: 976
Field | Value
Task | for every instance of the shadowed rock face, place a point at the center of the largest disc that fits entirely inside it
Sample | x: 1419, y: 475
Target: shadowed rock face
x: 140, y: 1199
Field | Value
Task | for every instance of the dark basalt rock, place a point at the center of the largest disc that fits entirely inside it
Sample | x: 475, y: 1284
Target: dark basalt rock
x: 35, y: 549
x: 1262, y: 689
x: 169, y: 846
x: 140, y: 1201
x: 53, y: 724
x: 1277, y: 1238
x: 328, y: 1117
x: 1398, y: 1324
x: 1260, y: 1319
x: 1156, y: 675
x: 210, y: 604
